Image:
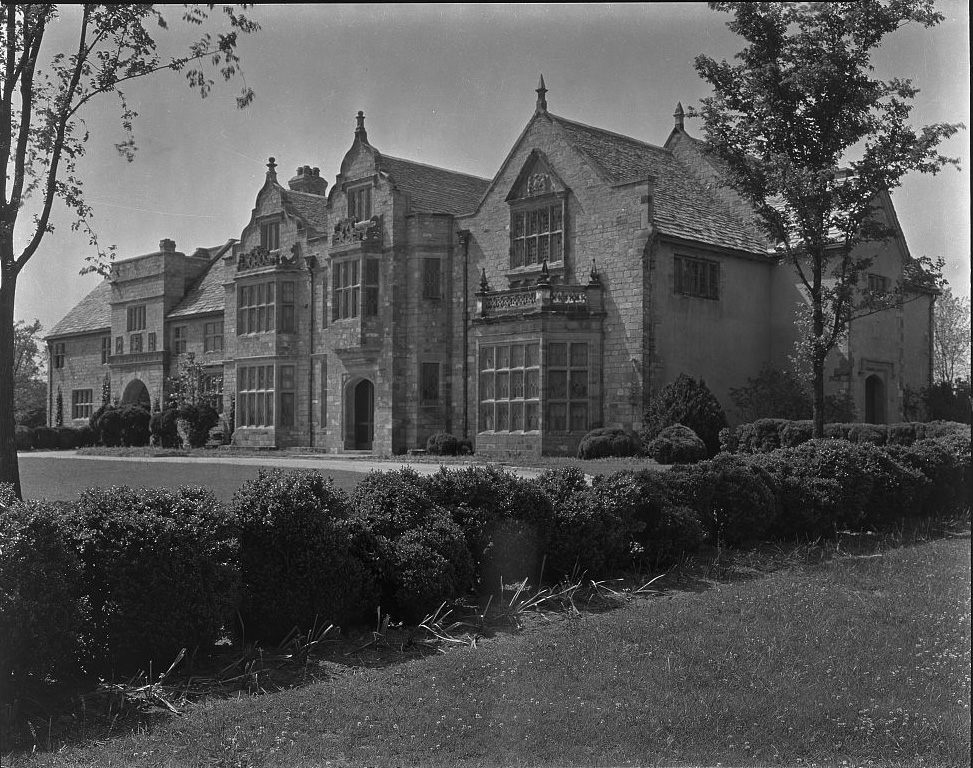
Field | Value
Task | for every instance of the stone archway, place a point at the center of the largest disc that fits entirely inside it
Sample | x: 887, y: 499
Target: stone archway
x: 136, y: 393
x: 875, y: 404
x: 360, y: 415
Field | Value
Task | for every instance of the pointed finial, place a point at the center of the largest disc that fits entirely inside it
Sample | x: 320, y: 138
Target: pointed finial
x: 484, y: 285
x: 271, y: 169
x: 360, y: 127
x: 541, y: 95
x: 680, y: 116
x: 545, y: 278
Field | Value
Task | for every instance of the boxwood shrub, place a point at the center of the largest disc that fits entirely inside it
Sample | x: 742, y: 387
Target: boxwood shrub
x: 418, y: 554
x: 606, y: 442
x: 24, y: 437
x: 593, y: 527
x: 442, y: 444
x: 39, y: 591
x: 506, y: 520
x: 158, y: 574
x: 676, y: 444
x: 736, y: 502
x: 297, y: 561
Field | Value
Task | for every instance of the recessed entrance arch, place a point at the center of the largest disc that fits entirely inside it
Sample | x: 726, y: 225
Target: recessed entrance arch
x: 874, y: 400
x: 359, y: 415
x: 137, y: 394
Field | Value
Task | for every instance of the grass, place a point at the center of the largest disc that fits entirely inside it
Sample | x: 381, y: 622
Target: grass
x: 588, y: 466
x: 859, y: 659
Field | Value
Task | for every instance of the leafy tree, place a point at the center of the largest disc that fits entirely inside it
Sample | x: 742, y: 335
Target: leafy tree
x: 44, y: 95
x: 951, y: 337
x: 785, y: 125
x: 30, y: 390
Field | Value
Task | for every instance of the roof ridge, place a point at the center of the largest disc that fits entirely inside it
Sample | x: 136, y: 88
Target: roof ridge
x: 434, y: 167
x: 606, y: 132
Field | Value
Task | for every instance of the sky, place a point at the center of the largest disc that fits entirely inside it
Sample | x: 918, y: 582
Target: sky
x: 446, y: 85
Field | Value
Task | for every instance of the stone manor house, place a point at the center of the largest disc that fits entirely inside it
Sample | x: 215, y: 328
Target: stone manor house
x: 519, y: 311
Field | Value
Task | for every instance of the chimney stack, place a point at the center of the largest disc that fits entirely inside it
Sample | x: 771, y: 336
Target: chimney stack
x: 308, y: 179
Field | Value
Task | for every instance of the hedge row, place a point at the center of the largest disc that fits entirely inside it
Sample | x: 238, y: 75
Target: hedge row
x: 52, y: 438
x: 766, y: 435
x: 123, y: 577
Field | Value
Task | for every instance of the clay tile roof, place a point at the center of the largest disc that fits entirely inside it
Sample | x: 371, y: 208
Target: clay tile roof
x: 435, y: 190
x: 313, y: 209
x: 207, y: 295
x: 92, y: 313
x: 683, y: 206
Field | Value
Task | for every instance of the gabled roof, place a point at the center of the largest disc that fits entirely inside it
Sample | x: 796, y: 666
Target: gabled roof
x: 683, y: 207
x: 207, y: 295
x: 313, y: 209
x: 92, y: 313
x: 435, y: 190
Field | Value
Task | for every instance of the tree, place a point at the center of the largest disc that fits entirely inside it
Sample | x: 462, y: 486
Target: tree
x: 30, y: 391
x: 43, y: 98
x: 785, y: 125
x: 951, y: 337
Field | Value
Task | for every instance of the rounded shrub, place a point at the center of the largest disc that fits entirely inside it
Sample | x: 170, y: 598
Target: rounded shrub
x: 688, y: 402
x: 418, y: 555
x: 876, y: 434
x: 795, y: 433
x: 442, y: 444
x: 593, y: 528
x: 809, y: 505
x: 506, y: 520
x: 162, y: 428
x: 25, y: 438
x: 736, y: 501
x: 676, y: 444
x: 159, y: 573
x: 676, y: 533
x: 606, y: 442
x: 193, y: 423
x: 948, y: 490
x: 39, y: 595
x: 68, y: 438
x: 902, y: 434
x: 297, y: 561
x: 46, y: 438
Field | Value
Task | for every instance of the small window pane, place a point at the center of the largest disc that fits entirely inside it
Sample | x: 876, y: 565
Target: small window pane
x: 557, y: 385
x: 486, y: 386
x: 531, y: 384
x: 579, y: 417
x: 579, y: 384
x: 517, y: 356
x: 516, y: 417
x: 503, y: 357
x: 503, y: 385
x: 531, y: 416
x: 486, y: 417
x: 530, y: 355
x: 579, y: 355
x: 502, y: 422
x: 486, y: 358
x: 557, y: 354
x: 516, y: 384
x: 557, y: 417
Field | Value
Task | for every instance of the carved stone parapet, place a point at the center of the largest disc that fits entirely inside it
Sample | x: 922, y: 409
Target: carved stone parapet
x: 351, y: 232
x: 259, y: 257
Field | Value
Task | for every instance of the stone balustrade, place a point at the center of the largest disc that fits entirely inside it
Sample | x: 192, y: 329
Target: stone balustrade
x: 351, y: 232
x: 542, y: 298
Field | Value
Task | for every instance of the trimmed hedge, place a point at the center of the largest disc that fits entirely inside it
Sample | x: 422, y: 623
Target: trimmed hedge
x: 24, y: 438
x: 116, y: 425
x: 158, y: 574
x: 40, y: 575
x: 298, y: 565
x: 766, y: 435
x: 593, y: 527
x: 606, y: 442
x: 736, y: 501
x: 506, y: 520
x: 676, y: 445
x: 418, y: 555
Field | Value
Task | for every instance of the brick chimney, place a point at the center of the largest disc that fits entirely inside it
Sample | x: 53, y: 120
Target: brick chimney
x: 167, y: 246
x: 309, y: 180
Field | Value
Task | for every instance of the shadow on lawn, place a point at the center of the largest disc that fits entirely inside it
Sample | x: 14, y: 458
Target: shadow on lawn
x: 73, y: 712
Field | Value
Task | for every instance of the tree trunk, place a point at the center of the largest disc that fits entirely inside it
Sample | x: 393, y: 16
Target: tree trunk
x: 818, y: 352
x: 817, y: 397
x: 9, y: 468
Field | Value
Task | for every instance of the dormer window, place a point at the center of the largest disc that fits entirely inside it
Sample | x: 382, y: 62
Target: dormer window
x: 537, y: 233
x: 270, y: 236
x: 360, y: 203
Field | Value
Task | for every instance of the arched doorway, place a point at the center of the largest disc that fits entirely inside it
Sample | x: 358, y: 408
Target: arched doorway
x: 360, y: 415
x: 136, y: 394
x: 874, y: 400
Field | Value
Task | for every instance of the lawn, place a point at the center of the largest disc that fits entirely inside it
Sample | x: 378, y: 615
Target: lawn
x: 857, y: 660
x: 62, y: 478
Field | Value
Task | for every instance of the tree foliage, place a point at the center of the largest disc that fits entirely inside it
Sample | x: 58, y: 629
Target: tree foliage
x: 803, y: 130
x: 44, y: 95
x: 951, y: 337
x: 30, y: 390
